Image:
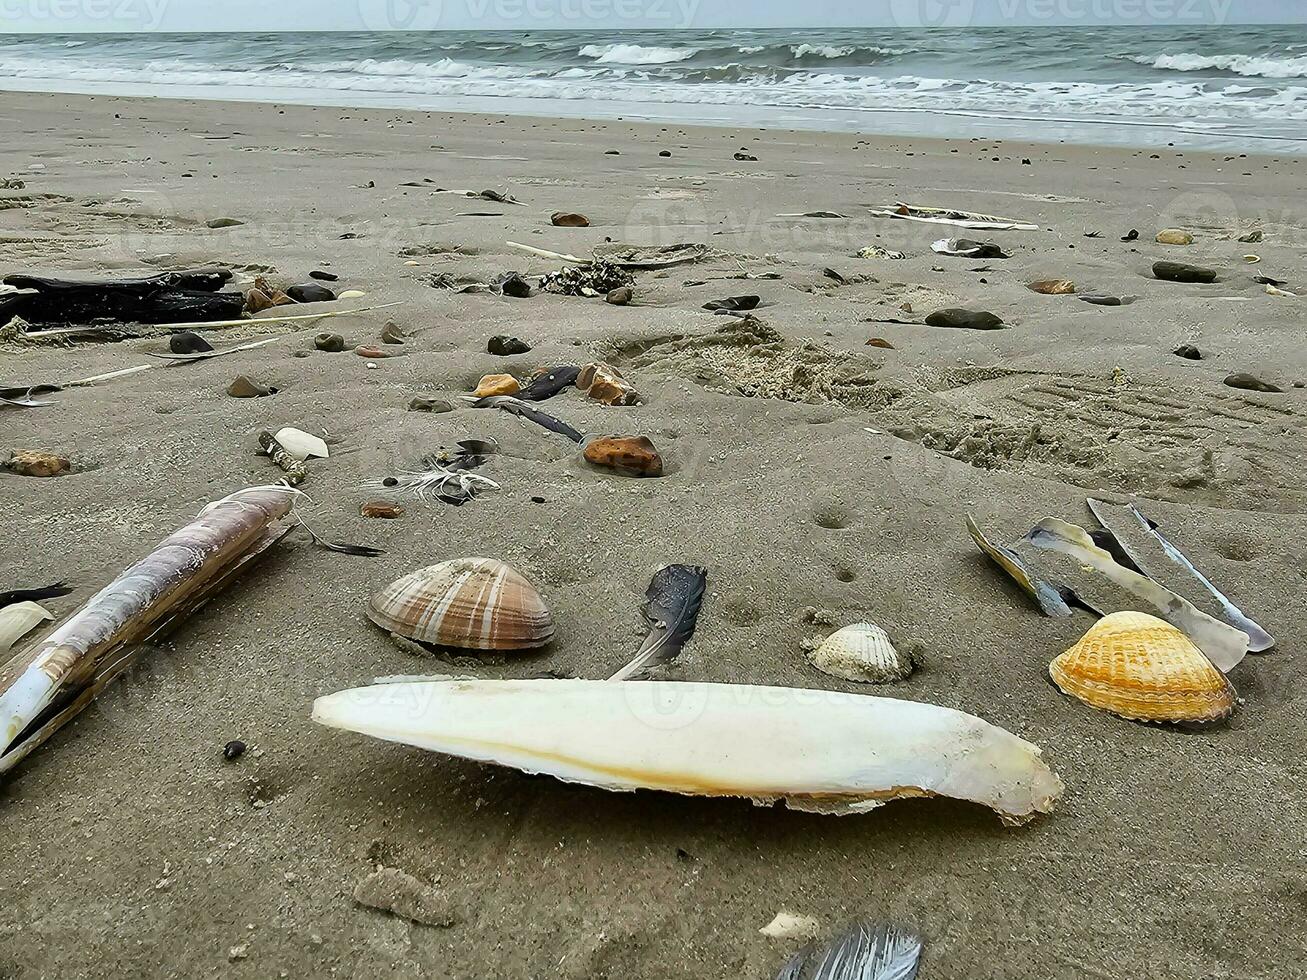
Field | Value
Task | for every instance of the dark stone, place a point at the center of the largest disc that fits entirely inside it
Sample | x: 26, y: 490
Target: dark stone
x: 1183, y: 272
x: 965, y: 320
x: 233, y: 750
x: 332, y: 343
x: 1189, y: 352
x: 311, y: 292
x: 1131, y: 236
x: 188, y: 342
x: 223, y: 223
x: 664, y: 153
x: 1248, y: 382
x: 621, y: 296
x: 324, y: 276
x: 515, y: 286
x: 569, y: 219
x: 243, y: 387
x: 733, y: 304
x: 746, y: 158
x: 507, y: 346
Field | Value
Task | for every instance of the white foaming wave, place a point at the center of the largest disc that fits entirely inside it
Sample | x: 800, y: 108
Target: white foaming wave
x: 1182, y: 102
x: 1261, y: 66
x: 635, y: 54
x: 838, y: 51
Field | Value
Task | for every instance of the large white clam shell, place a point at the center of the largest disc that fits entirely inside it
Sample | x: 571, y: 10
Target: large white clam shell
x: 862, y: 652
x: 300, y: 444
x: 816, y: 750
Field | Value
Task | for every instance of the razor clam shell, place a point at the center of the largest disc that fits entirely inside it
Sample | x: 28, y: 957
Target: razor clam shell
x: 1224, y: 645
x: 838, y: 753
x: 1047, y: 596
x: 470, y: 603
x: 18, y: 619
x: 1259, y: 641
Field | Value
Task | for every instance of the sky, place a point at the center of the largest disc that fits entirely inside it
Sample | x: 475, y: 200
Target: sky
x: 60, y: 16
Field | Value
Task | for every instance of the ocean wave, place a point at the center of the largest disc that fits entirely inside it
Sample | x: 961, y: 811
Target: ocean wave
x: 635, y: 54
x: 835, y: 51
x: 1261, y: 66
x: 1172, y: 102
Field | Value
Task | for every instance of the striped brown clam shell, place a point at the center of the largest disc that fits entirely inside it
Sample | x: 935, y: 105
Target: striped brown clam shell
x: 472, y: 603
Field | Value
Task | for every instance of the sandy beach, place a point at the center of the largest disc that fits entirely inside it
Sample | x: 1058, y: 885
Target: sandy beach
x: 825, y: 474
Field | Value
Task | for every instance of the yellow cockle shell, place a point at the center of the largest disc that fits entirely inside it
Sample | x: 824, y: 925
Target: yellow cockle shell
x: 1144, y: 669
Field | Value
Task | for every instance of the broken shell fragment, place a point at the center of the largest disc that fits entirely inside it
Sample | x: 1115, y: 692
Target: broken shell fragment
x: 604, y: 383
x: 302, y: 445
x: 820, y: 751
x: 1174, y: 236
x: 1144, y: 669
x: 243, y: 387
x: 382, y: 509
x: 497, y: 384
x: 352, y: 294
x: 862, y: 652
x: 18, y: 619
x: 1053, y: 287
x: 471, y: 603
x: 567, y: 219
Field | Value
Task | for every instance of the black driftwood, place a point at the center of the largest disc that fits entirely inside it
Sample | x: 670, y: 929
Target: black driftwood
x: 166, y: 298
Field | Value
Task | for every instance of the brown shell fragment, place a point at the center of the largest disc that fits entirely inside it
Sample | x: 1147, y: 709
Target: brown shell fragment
x: 604, y: 383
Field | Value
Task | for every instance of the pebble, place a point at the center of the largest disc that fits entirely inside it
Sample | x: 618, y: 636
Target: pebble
x: 381, y: 509
x: 629, y: 455
x: 392, y: 333
x: 324, y: 276
x: 224, y: 223
x: 1189, y: 352
x: 188, y: 342
x: 569, y: 219
x: 233, y: 750
x: 429, y: 403
x: 29, y: 462
x: 621, y: 296
x: 1248, y: 382
x: 664, y: 153
x: 243, y: 387
x: 332, y: 343
x: 965, y: 320
x: 1183, y: 272
x: 746, y: 157
x: 310, y: 292
x: 880, y: 342
x: 497, y: 384
x: 505, y: 346
x: 515, y: 286
x: 1174, y: 236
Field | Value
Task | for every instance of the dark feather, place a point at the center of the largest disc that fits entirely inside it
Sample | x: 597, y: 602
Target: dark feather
x: 672, y: 608
x: 547, y: 385
x: 34, y: 595
x: 515, y: 406
x: 865, y: 951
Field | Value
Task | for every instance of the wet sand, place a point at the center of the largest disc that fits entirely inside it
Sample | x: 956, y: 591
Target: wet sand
x: 133, y: 848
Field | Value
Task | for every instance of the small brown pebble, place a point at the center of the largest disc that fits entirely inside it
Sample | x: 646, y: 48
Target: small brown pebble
x: 332, y: 343
x: 497, y: 384
x: 381, y: 509
x: 629, y: 455
x: 392, y: 333
x: 29, y: 462
x: 243, y: 387
x: 621, y: 296
x: 880, y: 342
x: 568, y: 219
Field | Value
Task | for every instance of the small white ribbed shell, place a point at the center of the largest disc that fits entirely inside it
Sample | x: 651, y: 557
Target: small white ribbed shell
x: 862, y: 652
